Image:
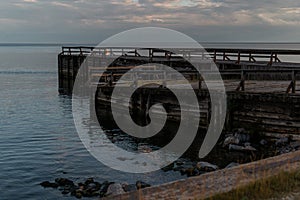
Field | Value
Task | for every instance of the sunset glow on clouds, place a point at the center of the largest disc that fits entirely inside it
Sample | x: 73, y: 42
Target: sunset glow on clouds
x: 61, y: 18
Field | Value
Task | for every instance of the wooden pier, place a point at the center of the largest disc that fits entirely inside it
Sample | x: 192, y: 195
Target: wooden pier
x: 261, y: 84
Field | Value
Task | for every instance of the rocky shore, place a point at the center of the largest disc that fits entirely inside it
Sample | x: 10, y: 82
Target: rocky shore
x: 92, y: 188
x: 237, y: 147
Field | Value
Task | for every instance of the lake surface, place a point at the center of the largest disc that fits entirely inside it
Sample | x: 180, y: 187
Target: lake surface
x: 38, y: 139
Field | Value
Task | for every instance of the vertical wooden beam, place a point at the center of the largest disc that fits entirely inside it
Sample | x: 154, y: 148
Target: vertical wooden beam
x: 294, y: 82
x: 199, y: 81
x: 68, y: 74
x: 243, y: 80
x: 239, y: 58
x: 215, y: 55
x: 150, y: 54
x: 241, y: 86
x: 276, y: 58
x: 60, y: 75
x: 111, y: 79
x: 292, y: 85
x: 271, y: 59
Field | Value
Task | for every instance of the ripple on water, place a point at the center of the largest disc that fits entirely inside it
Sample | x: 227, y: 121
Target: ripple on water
x: 38, y: 138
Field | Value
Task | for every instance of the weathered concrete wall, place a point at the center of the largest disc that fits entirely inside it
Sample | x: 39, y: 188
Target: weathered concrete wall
x: 209, y: 184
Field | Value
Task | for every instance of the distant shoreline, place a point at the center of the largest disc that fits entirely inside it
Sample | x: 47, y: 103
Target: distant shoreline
x: 90, y: 44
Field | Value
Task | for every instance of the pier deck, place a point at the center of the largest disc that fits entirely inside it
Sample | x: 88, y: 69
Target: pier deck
x: 261, y: 84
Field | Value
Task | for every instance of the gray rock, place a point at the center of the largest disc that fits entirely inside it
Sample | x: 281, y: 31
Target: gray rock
x: 233, y: 164
x: 115, y: 189
x: 282, y: 141
x: 236, y: 147
x: 240, y: 130
x: 205, y: 166
x: 263, y: 142
x: 295, y: 144
x: 230, y: 140
x: 179, y: 163
x: 78, y: 194
x: 129, y: 187
x: 286, y: 149
x: 64, y: 182
x: 88, y: 181
x: 241, y: 148
x: 168, y: 168
x: 104, y: 188
x: 47, y: 184
x: 178, y: 168
x: 242, y: 137
x: 141, y: 184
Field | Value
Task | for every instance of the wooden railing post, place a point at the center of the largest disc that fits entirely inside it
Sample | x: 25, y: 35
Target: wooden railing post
x: 292, y: 85
x: 294, y: 82
x: 239, y: 58
x: 243, y: 80
x: 215, y: 55
x: 271, y: 59
x: 199, y: 81
x: 241, y: 86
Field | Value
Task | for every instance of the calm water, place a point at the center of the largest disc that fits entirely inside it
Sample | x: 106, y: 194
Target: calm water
x: 38, y: 137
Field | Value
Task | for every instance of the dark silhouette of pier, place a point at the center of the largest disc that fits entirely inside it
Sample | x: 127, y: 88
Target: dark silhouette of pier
x: 261, y: 84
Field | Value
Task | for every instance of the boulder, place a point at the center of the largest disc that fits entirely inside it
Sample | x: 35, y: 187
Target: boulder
x: 230, y: 140
x: 88, y: 181
x: 144, y: 149
x: 78, y: 194
x: 129, y: 187
x: 115, y: 189
x: 240, y: 130
x: 141, y: 185
x: 178, y: 168
x: 295, y: 144
x: 207, y: 167
x: 233, y: 164
x: 247, y: 147
x: 282, y: 141
x: 263, y: 142
x: 168, y: 168
x: 104, y: 188
x: 47, y: 184
x: 64, y: 182
x: 179, y: 163
x: 286, y: 149
x: 242, y: 137
x: 69, y: 189
x: 187, y: 171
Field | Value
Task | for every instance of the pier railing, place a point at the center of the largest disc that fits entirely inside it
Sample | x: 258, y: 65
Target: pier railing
x: 241, y: 65
x: 111, y: 75
x: 236, y: 56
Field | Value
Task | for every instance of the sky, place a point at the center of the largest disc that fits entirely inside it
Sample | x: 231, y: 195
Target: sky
x: 91, y: 21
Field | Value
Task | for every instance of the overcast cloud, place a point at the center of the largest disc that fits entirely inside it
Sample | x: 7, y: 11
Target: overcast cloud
x: 90, y: 21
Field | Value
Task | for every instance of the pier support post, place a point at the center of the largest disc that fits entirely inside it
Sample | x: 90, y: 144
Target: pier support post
x: 292, y: 85
x: 241, y: 86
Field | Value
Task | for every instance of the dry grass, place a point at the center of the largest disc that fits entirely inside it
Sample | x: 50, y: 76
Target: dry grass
x: 266, y: 188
